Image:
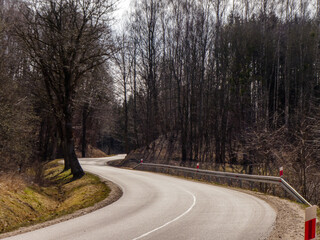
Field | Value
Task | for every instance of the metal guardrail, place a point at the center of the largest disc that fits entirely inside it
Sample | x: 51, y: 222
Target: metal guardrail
x: 293, y: 192
x: 238, y: 176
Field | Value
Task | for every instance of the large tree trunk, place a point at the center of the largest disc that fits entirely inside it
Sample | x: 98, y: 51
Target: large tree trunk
x: 68, y: 147
x: 84, y: 130
x: 62, y: 134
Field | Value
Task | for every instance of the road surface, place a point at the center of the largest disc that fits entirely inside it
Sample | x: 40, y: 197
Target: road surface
x: 155, y: 206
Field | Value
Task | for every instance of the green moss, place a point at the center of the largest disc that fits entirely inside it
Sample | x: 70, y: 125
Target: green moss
x: 59, y: 196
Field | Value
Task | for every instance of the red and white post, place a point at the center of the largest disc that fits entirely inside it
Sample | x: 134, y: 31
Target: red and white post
x: 141, y: 161
x: 197, y: 166
x: 310, y: 224
x: 281, y: 171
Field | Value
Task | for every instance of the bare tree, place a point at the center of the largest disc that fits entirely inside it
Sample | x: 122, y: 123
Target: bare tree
x: 95, y: 92
x: 122, y: 60
x: 65, y: 41
x: 146, y: 28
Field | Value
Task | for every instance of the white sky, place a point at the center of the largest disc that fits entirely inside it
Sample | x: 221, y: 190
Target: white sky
x: 122, y: 7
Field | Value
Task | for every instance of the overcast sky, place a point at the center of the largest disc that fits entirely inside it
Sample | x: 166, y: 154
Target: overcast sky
x: 122, y: 8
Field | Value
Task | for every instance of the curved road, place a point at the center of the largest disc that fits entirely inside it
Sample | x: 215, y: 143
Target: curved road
x: 155, y: 206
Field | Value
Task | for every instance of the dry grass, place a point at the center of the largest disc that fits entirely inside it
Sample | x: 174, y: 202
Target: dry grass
x: 23, y: 204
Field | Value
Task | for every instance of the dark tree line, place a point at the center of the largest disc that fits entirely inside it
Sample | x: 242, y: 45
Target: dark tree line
x: 230, y: 80
x: 17, y: 121
x: 54, y: 66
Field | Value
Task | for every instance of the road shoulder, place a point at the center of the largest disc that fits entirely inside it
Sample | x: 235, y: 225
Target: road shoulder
x: 289, y: 222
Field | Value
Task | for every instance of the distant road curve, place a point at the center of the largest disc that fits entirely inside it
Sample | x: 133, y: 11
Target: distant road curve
x: 155, y: 206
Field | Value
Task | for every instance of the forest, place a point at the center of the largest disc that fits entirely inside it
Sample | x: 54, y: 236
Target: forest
x: 216, y: 81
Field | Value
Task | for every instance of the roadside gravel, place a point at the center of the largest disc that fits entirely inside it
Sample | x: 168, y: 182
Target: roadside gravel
x: 289, y: 223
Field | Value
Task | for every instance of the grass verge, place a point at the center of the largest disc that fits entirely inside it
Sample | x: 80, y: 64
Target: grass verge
x: 23, y: 204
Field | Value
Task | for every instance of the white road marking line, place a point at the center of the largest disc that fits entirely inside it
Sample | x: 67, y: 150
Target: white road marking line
x: 166, y: 224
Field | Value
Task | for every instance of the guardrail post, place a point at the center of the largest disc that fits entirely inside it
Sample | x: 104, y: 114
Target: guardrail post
x: 281, y: 171
x: 273, y: 190
x: 229, y: 182
x: 310, y: 223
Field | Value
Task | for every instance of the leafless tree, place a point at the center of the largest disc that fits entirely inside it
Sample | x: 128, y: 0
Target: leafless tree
x: 65, y: 40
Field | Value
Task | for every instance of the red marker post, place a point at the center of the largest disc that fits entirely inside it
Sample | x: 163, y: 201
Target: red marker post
x: 197, y: 166
x: 310, y: 224
x: 141, y: 161
x: 281, y: 171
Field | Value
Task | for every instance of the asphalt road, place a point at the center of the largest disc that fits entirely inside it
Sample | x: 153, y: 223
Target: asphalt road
x: 155, y: 206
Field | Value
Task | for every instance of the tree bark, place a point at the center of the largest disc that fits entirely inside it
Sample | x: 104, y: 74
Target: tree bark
x: 84, y: 130
x: 69, y: 152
